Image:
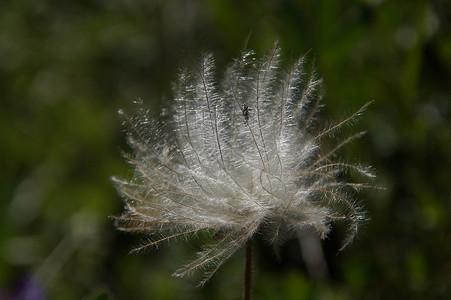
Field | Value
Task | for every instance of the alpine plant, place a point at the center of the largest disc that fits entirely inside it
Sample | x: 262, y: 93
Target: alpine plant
x: 238, y: 159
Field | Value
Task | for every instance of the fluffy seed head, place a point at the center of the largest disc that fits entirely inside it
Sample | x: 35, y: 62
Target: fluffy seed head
x: 238, y: 158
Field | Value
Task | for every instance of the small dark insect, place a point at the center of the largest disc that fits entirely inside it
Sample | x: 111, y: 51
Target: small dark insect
x: 245, y: 109
x: 220, y: 234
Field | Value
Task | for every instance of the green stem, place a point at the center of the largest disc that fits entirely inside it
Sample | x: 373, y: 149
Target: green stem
x: 248, y: 271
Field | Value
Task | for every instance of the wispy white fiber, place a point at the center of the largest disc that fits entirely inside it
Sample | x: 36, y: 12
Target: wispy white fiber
x: 238, y: 158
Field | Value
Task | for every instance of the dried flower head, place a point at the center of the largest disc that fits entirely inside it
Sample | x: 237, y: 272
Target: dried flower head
x: 237, y: 159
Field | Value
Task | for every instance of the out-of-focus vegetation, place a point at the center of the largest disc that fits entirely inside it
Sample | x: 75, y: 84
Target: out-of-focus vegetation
x: 67, y: 66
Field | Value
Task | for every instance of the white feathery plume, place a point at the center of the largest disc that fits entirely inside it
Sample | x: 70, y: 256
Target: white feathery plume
x: 238, y: 159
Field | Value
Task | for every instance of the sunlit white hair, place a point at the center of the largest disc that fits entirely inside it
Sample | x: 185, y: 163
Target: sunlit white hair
x: 238, y: 159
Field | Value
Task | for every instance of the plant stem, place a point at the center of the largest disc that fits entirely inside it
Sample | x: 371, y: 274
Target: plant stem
x: 248, y: 271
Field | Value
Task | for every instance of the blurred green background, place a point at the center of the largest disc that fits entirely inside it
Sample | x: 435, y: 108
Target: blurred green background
x: 66, y: 67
